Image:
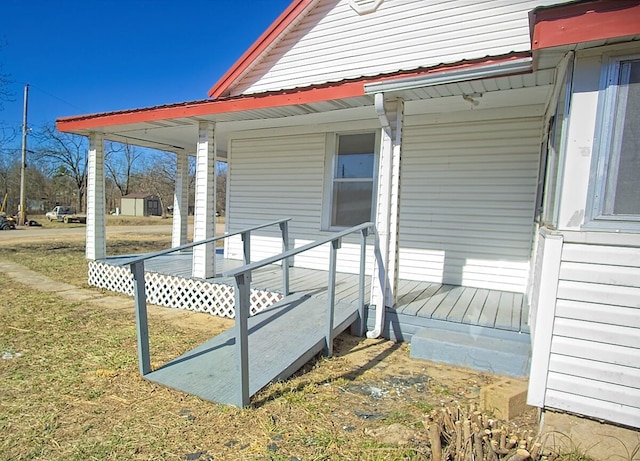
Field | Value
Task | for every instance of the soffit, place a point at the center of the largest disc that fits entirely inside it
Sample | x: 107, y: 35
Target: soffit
x: 180, y: 133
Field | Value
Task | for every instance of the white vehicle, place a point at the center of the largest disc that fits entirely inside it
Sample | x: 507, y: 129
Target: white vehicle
x: 58, y: 213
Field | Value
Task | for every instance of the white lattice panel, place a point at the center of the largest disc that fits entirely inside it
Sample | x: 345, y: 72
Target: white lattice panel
x: 112, y: 278
x: 178, y: 292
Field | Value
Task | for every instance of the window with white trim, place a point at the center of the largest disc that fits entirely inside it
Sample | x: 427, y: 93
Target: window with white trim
x: 615, y: 198
x: 352, y: 180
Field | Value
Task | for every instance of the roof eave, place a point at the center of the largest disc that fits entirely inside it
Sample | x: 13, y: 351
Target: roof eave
x: 581, y: 22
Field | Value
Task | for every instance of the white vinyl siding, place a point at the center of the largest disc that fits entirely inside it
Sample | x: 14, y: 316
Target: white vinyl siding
x: 270, y: 179
x: 333, y: 42
x: 467, y: 202
x: 282, y: 177
x: 586, y: 326
x: 594, y: 365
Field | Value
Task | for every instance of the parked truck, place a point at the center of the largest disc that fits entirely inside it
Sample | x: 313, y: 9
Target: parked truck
x: 64, y: 214
x: 6, y: 222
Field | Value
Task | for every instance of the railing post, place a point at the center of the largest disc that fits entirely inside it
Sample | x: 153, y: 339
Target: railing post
x: 284, y: 228
x: 242, y: 299
x: 359, y: 328
x: 142, y: 324
x: 246, y: 247
x: 331, y: 292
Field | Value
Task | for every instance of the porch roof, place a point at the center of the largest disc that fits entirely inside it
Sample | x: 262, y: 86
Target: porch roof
x: 174, y: 126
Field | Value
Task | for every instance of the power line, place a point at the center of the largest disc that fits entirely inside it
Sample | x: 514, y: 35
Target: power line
x: 51, y: 95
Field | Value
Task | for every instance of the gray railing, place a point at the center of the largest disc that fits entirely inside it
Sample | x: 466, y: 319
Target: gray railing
x: 242, y: 276
x: 137, y: 269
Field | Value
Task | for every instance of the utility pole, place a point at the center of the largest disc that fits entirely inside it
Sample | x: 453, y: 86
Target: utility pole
x: 23, y: 166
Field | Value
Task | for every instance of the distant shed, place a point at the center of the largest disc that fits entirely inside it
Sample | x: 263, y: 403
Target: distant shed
x: 140, y: 204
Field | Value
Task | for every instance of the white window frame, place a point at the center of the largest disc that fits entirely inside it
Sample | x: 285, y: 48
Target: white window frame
x: 606, y: 119
x: 553, y: 161
x: 331, y: 157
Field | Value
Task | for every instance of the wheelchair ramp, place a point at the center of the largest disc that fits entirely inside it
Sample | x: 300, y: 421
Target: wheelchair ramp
x: 281, y: 340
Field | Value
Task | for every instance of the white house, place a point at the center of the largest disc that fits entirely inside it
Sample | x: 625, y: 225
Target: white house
x: 494, y: 145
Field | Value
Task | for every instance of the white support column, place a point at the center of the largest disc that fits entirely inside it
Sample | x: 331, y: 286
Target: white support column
x: 96, y: 246
x: 385, y: 269
x: 180, y: 200
x: 543, y: 312
x: 205, y: 215
x: 394, y: 204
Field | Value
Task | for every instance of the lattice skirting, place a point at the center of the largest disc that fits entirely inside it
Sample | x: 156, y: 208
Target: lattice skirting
x: 179, y: 292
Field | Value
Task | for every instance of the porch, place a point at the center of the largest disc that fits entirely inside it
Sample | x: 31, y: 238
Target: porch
x: 419, y: 304
x: 285, y: 315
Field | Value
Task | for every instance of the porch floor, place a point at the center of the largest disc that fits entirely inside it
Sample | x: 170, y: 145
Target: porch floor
x: 418, y: 303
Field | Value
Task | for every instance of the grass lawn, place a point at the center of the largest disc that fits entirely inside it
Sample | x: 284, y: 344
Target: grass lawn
x: 71, y: 388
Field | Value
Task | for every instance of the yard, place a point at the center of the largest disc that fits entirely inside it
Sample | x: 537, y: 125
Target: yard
x: 71, y: 388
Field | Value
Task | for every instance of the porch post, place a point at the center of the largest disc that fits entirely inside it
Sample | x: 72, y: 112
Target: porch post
x: 205, y: 219
x: 96, y: 246
x: 394, y: 212
x: 385, y: 269
x: 180, y: 200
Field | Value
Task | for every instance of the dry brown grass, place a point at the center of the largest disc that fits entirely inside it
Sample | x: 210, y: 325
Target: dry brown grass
x: 72, y: 391
x: 71, y: 388
x: 64, y: 260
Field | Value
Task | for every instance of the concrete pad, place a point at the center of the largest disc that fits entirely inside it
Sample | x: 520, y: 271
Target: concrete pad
x: 79, y: 294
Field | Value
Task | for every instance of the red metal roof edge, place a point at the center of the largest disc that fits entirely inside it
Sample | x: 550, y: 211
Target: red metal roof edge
x: 301, y: 95
x: 583, y: 21
x: 263, y: 42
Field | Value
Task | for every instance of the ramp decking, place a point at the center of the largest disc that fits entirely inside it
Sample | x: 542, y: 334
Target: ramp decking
x: 281, y: 340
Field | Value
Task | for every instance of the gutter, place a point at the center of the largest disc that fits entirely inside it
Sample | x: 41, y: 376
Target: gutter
x: 497, y: 69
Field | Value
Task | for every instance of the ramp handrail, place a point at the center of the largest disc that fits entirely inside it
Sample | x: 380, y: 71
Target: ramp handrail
x: 136, y: 265
x: 186, y: 246
x: 242, y: 277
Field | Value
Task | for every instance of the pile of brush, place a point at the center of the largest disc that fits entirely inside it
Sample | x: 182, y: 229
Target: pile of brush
x: 468, y: 435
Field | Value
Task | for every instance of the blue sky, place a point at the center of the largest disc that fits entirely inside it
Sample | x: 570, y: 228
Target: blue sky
x: 87, y: 56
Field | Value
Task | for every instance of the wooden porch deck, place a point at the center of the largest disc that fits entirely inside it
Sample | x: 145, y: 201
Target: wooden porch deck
x: 211, y: 370
x: 418, y: 303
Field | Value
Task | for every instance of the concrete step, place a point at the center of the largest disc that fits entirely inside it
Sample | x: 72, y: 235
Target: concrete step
x: 477, y: 348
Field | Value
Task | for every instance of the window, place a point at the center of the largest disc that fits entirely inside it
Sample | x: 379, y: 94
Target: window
x: 616, y: 180
x: 353, y: 169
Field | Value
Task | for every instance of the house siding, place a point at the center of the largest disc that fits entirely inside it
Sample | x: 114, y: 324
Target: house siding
x: 594, y: 365
x: 333, y: 42
x: 467, y: 201
x: 586, y: 349
x: 262, y: 189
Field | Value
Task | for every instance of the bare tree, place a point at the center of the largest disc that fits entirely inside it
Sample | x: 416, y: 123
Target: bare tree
x: 65, y: 156
x: 7, y: 133
x: 221, y: 187
x: 159, y: 177
x: 120, y: 165
x: 37, y: 185
x: 5, y: 79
